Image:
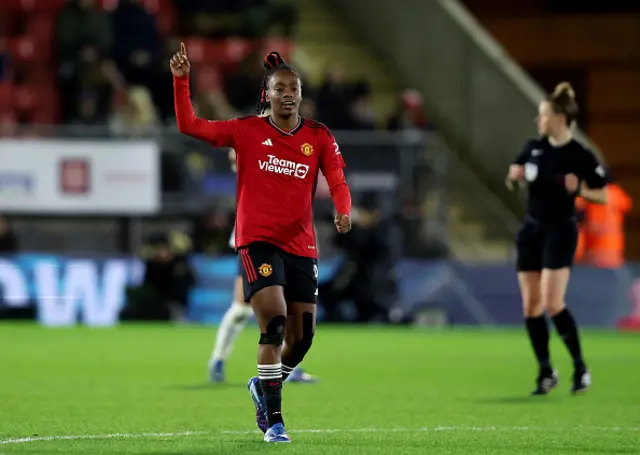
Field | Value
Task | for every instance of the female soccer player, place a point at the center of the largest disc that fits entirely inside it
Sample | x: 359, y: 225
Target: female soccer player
x: 556, y: 169
x: 278, y: 160
x: 233, y: 322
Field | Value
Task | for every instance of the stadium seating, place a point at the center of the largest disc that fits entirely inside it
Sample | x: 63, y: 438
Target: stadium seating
x: 29, y: 29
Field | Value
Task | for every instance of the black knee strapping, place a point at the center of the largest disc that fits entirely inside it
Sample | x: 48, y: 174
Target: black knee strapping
x: 275, y: 332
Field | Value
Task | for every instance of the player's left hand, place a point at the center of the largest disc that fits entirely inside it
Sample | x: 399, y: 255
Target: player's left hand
x: 571, y: 183
x: 343, y: 223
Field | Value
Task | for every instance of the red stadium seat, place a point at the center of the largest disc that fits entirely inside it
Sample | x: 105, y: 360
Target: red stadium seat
x: 5, y: 96
x: 195, y: 49
x: 206, y: 78
x: 40, y: 5
x: 44, y: 117
x: 108, y: 5
x: 35, y: 102
x: 220, y: 52
x: 37, y: 75
x: 8, y: 124
x: 41, y: 27
x: 24, y: 98
x: 10, y: 5
x: 230, y: 51
x: 8, y: 24
x: 166, y: 21
x: 281, y: 45
x: 29, y: 49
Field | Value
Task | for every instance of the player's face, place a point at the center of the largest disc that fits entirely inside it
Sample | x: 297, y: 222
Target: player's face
x: 284, y: 93
x: 547, y: 120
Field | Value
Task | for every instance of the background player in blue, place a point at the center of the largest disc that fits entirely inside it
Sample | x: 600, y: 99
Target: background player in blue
x: 234, y: 321
x: 556, y: 169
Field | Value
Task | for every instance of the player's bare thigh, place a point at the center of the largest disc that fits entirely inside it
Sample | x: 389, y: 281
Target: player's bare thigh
x: 553, y: 288
x: 532, y: 304
x: 268, y: 303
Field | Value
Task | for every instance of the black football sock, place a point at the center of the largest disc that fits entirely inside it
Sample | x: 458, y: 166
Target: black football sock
x: 286, y: 370
x: 270, y: 377
x: 568, y: 330
x: 291, y: 358
x: 539, y: 336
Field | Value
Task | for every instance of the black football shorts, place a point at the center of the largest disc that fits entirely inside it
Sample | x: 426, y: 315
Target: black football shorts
x: 263, y: 264
x: 546, y: 246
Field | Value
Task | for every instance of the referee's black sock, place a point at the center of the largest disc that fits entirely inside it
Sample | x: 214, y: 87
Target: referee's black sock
x: 568, y: 330
x: 539, y: 336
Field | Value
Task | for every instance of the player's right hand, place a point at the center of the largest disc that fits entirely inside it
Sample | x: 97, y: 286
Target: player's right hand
x: 179, y: 64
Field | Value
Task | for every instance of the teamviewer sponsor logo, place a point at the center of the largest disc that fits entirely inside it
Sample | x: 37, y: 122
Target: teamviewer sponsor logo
x: 284, y: 167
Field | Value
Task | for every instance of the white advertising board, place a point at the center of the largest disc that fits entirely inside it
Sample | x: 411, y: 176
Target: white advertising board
x: 79, y: 177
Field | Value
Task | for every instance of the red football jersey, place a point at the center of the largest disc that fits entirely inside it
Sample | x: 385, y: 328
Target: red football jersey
x: 277, y: 173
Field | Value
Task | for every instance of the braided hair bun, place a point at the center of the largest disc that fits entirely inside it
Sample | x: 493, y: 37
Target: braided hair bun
x: 273, y: 60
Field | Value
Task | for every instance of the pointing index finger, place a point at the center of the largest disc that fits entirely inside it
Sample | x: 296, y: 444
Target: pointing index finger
x: 183, y: 49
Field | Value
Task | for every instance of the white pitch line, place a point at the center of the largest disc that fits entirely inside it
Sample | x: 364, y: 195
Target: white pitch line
x: 309, y: 430
x: 432, y: 429
x: 102, y: 436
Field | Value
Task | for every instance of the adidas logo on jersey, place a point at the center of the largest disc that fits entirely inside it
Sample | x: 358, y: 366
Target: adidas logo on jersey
x: 268, y: 143
x: 284, y: 167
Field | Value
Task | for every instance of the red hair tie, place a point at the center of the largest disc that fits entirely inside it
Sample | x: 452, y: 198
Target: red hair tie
x: 273, y: 60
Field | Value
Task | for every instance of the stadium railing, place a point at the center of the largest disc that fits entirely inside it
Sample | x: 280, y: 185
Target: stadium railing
x: 417, y: 180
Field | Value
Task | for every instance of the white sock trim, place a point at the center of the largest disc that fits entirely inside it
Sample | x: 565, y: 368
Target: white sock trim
x: 270, y: 371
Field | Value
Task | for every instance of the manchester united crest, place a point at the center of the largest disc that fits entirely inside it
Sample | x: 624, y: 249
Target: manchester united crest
x: 307, y: 149
x: 265, y: 270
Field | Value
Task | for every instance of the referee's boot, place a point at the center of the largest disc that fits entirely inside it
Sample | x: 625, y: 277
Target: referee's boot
x: 546, y: 382
x: 581, y: 381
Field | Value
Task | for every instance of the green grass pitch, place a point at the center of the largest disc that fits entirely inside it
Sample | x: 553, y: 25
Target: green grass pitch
x: 143, y: 390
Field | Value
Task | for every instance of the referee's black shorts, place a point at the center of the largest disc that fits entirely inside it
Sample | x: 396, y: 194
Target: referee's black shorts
x: 546, y: 245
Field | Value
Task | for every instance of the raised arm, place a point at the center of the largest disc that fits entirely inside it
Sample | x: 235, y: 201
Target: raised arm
x: 217, y: 133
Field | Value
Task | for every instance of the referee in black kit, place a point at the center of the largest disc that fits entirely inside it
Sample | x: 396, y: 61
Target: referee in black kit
x: 556, y: 169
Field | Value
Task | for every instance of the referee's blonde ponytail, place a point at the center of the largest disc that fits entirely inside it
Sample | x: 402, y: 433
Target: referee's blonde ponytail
x: 564, y: 89
x: 563, y: 101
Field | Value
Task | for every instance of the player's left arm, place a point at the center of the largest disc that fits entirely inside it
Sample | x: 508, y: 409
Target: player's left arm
x: 332, y: 166
x: 593, y: 187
